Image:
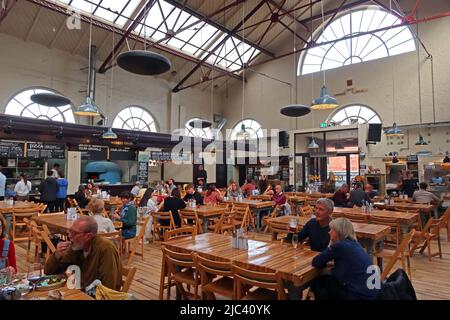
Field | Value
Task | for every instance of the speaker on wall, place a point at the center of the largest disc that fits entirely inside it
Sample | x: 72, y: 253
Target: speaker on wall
x: 283, y: 139
x: 374, y: 132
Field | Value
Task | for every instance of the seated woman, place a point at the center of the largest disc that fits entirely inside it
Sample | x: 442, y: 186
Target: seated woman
x: 127, y: 215
x: 173, y: 204
x: 149, y: 200
x: 7, y: 252
x: 212, y: 195
x: 81, y: 197
x: 349, y: 277
x: 233, y: 190
x: 105, y: 225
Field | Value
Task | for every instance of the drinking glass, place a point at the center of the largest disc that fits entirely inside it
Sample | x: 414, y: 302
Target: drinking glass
x: 34, y: 272
x: 295, y: 240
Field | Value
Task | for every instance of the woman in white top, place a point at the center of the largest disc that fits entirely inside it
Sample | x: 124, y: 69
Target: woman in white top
x: 22, y: 188
x: 105, y: 225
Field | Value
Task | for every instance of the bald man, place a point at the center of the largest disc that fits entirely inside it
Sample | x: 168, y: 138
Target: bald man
x: 97, y: 257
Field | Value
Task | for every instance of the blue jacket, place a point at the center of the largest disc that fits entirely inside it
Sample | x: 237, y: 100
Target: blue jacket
x: 2, y: 184
x: 62, y: 191
x: 351, y: 267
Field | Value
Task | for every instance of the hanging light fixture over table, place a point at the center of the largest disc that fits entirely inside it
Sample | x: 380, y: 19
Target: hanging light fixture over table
x: 50, y: 99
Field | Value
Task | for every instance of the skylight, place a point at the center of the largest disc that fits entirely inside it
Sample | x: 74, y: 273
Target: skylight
x: 192, y: 36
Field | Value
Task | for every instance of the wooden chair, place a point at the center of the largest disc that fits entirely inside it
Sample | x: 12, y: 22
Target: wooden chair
x: 400, y: 254
x: 127, y: 278
x: 34, y: 236
x: 446, y: 222
x: 116, y: 237
x: 18, y: 223
x: 275, y: 213
x: 306, y: 211
x: 45, y: 236
x: 216, y: 277
x: 357, y: 217
x: 190, y: 219
x: 269, y: 285
x: 159, y: 228
x: 225, y: 224
x: 242, y: 214
x: 222, y: 205
x: 422, y: 239
x: 418, y: 225
x: 74, y: 204
x: 180, y: 233
x: 132, y: 244
x: 279, y: 228
x: 181, y: 270
x: 395, y: 234
x: 41, y: 208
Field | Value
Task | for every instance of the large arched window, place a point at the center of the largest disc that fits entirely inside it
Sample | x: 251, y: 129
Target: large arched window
x: 197, y: 132
x: 359, y: 48
x: 135, y: 118
x: 352, y: 114
x: 21, y: 105
x: 252, y: 128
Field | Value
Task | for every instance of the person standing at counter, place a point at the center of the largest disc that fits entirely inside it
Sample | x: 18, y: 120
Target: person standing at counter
x: 127, y: 215
x: 22, y: 188
x: 56, y: 171
x: 62, y: 192
x: 48, y: 189
x: 409, y: 185
x: 2, y: 184
x: 202, y: 174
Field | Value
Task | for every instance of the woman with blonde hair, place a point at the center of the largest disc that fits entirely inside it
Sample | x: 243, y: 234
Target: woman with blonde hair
x: 349, y: 278
x: 105, y: 225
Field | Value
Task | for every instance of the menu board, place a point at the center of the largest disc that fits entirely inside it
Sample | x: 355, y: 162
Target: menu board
x: 11, y: 149
x: 92, y: 152
x: 37, y: 150
x: 168, y: 156
x: 122, y: 154
x: 143, y: 173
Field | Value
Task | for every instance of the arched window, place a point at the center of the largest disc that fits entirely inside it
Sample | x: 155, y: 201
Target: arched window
x: 352, y: 114
x: 21, y: 105
x: 135, y: 118
x: 359, y: 48
x: 197, y: 132
x: 252, y: 128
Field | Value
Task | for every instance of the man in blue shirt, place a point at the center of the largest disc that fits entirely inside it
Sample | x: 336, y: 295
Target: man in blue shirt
x: 2, y: 184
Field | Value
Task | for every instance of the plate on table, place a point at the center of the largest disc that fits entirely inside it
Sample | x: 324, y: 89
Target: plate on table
x: 51, y: 282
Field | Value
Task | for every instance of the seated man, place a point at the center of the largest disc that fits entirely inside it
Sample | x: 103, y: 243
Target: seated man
x: 368, y: 188
x: 424, y: 196
x: 340, y: 197
x: 97, y: 257
x: 317, y: 229
x: 279, y: 198
x: 358, y: 197
x: 192, y: 194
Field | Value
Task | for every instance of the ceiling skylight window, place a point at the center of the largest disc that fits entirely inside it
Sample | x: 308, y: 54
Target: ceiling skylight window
x: 104, y: 8
x: 359, y: 48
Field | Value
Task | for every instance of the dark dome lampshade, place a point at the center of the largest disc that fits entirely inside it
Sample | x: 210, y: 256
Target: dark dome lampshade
x: 50, y: 99
x: 295, y: 110
x: 142, y: 62
x: 200, y: 123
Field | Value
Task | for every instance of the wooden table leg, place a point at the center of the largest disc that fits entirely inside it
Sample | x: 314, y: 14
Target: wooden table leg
x: 163, y: 275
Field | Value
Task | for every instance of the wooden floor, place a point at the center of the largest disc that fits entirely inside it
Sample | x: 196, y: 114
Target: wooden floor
x: 431, y: 280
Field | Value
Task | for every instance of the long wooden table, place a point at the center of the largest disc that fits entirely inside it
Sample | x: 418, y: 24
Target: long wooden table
x: 68, y: 294
x: 294, y: 265
x: 257, y: 206
x: 371, y: 236
x: 57, y: 223
x: 423, y: 207
x: 5, y: 207
x: 206, y: 213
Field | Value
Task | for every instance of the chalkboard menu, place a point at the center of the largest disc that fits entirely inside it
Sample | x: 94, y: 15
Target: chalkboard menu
x: 91, y: 152
x: 37, y: 150
x: 168, y: 156
x: 122, y: 154
x: 143, y: 173
x: 11, y: 149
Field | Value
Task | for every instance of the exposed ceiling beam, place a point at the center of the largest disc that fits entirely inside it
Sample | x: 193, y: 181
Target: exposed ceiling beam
x: 6, y: 8
x: 248, y: 16
x: 332, y: 11
x: 284, y: 11
x: 33, y: 25
x: 208, y: 19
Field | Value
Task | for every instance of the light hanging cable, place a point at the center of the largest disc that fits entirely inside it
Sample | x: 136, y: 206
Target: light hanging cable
x: 421, y: 141
x: 325, y: 101
x: 294, y: 109
x: 89, y: 108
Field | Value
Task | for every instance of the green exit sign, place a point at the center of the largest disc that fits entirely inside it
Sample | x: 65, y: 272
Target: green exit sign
x: 323, y: 125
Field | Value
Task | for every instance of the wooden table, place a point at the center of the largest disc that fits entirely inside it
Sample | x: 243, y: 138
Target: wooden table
x: 423, y: 207
x: 6, y: 208
x: 57, y: 223
x: 371, y: 236
x: 262, y: 197
x: 405, y: 219
x: 206, y: 213
x: 294, y: 265
x: 68, y: 294
x: 257, y: 206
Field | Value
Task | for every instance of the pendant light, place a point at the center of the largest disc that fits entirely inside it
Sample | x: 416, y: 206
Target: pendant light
x: 243, y: 134
x: 294, y: 109
x: 325, y: 101
x: 89, y: 108
x: 50, y: 99
x: 421, y: 142
x: 313, y: 144
x: 143, y: 62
